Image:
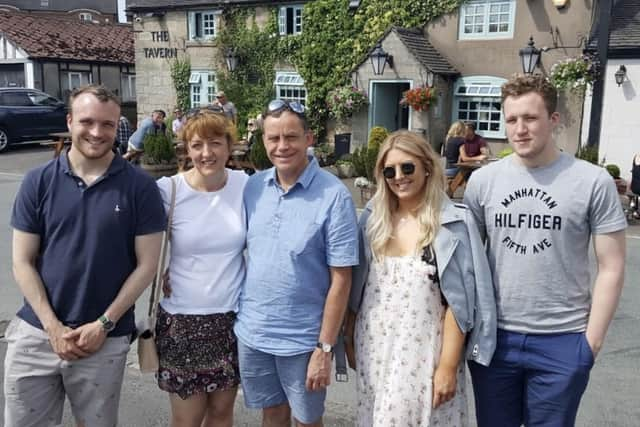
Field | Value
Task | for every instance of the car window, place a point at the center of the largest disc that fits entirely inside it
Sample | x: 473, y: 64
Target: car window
x: 42, y: 99
x: 16, y: 99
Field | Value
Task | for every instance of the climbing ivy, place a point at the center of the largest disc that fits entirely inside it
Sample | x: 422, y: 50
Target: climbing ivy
x: 180, y: 72
x: 333, y: 41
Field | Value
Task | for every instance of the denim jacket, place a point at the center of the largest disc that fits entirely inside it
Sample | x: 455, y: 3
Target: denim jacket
x: 465, y: 277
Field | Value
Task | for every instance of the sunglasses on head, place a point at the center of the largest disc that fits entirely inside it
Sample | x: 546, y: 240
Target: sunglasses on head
x: 407, y: 168
x: 212, y: 109
x: 278, y: 105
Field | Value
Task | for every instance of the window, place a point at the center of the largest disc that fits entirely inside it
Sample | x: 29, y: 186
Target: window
x: 85, y: 17
x: 487, y: 19
x: 74, y: 79
x: 128, y: 83
x: 16, y: 99
x: 477, y: 99
x: 290, y: 87
x: 290, y: 20
x: 203, y: 88
x: 202, y: 25
x: 42, y: 99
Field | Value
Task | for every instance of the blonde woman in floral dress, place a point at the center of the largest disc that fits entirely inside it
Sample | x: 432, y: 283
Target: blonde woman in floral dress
x: 422, y: 272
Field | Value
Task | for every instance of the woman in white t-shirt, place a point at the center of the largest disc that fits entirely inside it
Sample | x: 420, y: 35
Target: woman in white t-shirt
x: 196, y: 344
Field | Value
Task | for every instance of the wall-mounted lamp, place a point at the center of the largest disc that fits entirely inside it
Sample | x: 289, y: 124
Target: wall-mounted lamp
x: 231, y: 58
x: 620, y: 75
x: 559, y: 4
x: 380, y: 58
x: 530, y: 57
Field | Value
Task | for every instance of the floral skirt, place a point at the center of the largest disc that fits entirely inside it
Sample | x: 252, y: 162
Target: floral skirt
x: 198, y: 353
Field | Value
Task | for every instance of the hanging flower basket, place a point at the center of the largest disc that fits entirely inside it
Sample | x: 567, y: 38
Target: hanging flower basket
x: 344, y: 101
x: 574, y: 74
x: 419, y: 98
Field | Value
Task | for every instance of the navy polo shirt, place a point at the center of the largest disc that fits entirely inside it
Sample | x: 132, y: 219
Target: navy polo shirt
x: 87, y: 236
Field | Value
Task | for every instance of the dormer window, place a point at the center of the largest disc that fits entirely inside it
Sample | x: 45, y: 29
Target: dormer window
x: 85, y: 17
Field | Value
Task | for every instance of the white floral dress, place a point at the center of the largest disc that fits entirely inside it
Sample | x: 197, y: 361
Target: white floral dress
x: 398, y: 339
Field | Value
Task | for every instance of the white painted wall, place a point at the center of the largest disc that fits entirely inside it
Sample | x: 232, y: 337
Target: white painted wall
x: 620, y: 131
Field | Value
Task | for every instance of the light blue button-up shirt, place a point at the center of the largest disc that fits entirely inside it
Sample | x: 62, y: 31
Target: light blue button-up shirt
x: 293, y: 238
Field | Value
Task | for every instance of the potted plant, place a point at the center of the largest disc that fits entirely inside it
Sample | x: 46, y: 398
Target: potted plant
x: 621, y: 184
x: 419, y: 98
x: 574, y: 74
x: 345, y: 166
x: 344, y: 101
x: 159, y: 157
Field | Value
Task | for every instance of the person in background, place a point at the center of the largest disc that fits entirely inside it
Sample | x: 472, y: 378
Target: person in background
x: 122, y: 135
x: 421, y: 292
x: 178, y: 121
x: 196, y: 344
x: 87, y: 230
x: 475, y: 148
x: 453, y: 147
x: 227, y: 106
x: 150, y: 125
x: 539, y: 210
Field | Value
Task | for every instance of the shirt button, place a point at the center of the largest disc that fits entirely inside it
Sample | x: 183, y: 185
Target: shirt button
x: 475, y: 350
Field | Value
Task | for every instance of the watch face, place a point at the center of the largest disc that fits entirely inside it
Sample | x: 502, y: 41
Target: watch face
x: 107, y: 324
x: 325, y: 347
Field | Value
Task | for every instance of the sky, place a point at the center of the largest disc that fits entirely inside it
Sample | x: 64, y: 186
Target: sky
x: 121, y: 6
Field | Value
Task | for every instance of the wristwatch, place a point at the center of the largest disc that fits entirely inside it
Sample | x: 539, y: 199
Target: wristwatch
x: 107, y: 324
x: 326, y: 348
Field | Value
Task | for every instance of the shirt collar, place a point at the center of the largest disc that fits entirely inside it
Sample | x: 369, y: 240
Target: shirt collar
x: 117, y: 164
x: 305, y: 177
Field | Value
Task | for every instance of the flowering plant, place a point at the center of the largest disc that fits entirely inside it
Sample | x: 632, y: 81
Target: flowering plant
x: 573, y: 73
x: 419, y: 98
x: 343, y: 101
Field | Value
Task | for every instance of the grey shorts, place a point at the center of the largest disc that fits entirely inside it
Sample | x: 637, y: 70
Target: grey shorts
x: 36, y: 380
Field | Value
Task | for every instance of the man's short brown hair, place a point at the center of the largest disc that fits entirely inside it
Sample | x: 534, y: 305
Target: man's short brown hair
x: 99, y: 91
x: 521, y: 84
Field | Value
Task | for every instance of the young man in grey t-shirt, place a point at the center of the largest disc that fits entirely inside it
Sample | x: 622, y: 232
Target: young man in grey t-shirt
x: 538, y: 210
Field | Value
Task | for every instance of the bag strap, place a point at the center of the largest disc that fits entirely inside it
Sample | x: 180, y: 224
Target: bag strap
x: 156, y: 286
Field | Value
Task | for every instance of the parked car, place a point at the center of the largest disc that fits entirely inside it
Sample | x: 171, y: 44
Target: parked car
x: 29, y: 115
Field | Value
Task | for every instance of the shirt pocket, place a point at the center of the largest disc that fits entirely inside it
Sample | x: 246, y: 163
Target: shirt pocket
x: 311, y: 239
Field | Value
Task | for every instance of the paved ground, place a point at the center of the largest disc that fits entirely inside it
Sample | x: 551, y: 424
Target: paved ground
x: 610, y: 401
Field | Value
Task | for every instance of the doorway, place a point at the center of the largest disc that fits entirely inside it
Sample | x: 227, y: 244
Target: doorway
x: 385, y: 109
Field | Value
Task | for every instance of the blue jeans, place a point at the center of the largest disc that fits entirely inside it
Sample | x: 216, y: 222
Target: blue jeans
x: 535, y: 380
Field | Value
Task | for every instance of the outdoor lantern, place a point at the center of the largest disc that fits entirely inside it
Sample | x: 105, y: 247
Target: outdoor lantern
x: 231, y: 59
x: 430, y: 78
x: 379, y: 58
x: 620, y: 75
x: 530, y: 57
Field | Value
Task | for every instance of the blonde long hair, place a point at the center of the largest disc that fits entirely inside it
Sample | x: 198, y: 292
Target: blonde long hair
x: 458, y: 128
x: 385, y: 203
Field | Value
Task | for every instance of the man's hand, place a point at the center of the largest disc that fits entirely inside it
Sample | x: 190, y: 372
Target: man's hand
x: 319, y: 370
x: 444, y: 384
x: 88, y: 337
x: 66, y: 348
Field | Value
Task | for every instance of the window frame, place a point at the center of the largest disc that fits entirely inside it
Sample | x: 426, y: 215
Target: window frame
x: 485, y: 34
x: 85, y: 17
x: 290, y: 80
x: 128, y: 82
x: 297, y: 24
x: 205, y: 86
x: 474, y: 93
x: 192, y: 24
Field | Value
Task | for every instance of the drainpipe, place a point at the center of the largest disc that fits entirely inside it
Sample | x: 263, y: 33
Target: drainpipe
x: 595, y: 120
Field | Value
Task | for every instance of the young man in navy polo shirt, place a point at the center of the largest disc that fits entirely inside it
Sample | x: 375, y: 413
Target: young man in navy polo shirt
x: 87, y: 234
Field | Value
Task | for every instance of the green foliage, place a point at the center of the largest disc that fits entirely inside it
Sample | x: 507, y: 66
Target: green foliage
x: 180, y: 73
x: 588, y: 153
x: 613, y: 170
x: 377, y: 136
x: 504, y: 152
x: 258, y: 154
x: 358, y: 158
x: 333, y: 41
x: 158, y: 149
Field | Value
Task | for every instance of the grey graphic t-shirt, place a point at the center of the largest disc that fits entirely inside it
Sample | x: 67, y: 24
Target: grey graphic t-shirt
x: 538, y: 224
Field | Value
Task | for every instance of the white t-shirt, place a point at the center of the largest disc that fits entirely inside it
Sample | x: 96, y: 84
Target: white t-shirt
x: 206, y: 265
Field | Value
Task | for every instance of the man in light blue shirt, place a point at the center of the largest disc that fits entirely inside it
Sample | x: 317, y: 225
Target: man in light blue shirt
x: 301, y: 244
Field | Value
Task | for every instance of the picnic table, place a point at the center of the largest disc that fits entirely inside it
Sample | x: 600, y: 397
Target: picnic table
x: 464, y: 171
x: 60, y: 139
